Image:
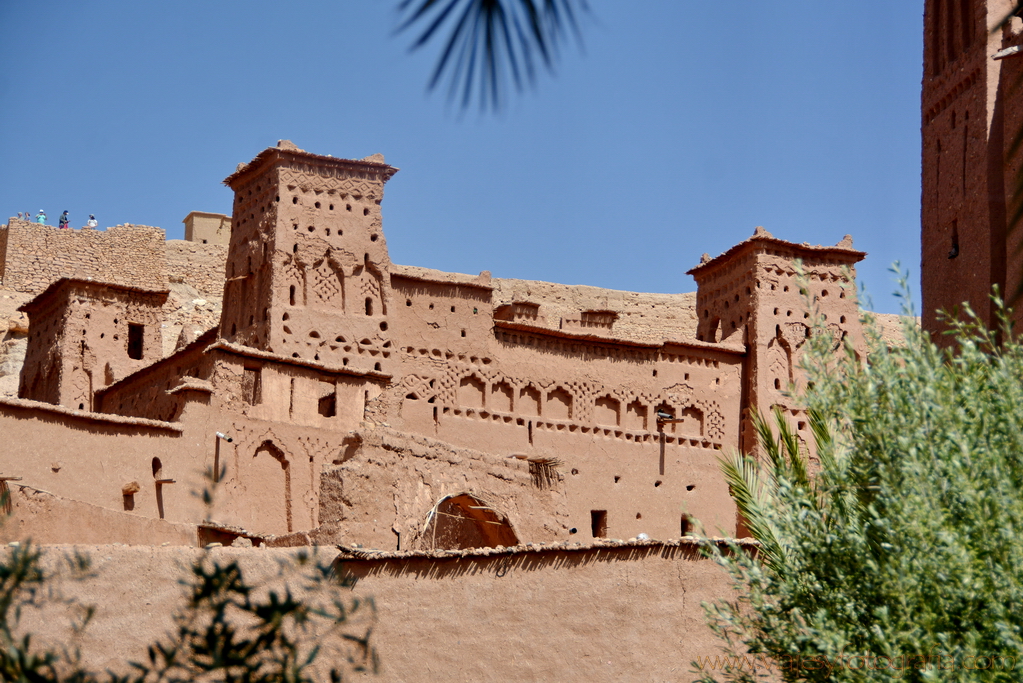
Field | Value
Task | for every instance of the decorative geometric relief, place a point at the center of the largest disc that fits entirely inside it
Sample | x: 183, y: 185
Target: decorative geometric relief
x: 793, y: 334
x: 582, y: 395
x: 446, y: 385
x: 247, y: 439
x: 325, y: 180
x: 319, y: 450
x: 327, y: 283
x: 370, y: 286
x: 836, y: 334
x: 778, y: 369
x: 713, y: 420
x: 636, y: 416
x: 415, y: 385
x: 294, y: 277
x: 680, y: 393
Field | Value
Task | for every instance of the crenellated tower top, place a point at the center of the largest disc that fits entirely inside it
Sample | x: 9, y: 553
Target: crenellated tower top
x: 307, y: 267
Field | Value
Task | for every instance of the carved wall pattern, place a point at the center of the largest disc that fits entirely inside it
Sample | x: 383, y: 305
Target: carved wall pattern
x: 320, y: 450
x: 327, y: 283
x: 421, y: 387
x: 680, y: 394
x: 713, y: 419
x: 292, y: 274
x: 247, y: 438
x: 584, y: 394
x: 318, y: 179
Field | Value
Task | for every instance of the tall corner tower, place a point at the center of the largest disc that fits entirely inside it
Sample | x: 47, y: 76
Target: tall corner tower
x: 308, y: 274
x: 966, y: 101
x: 753, y: 295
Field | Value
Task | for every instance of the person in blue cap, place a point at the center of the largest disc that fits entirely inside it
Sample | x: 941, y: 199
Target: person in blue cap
x: 64, y: 221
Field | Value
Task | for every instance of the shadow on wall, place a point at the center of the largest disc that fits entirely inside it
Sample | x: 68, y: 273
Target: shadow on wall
x: 463, y: 521
x: 431, y: 567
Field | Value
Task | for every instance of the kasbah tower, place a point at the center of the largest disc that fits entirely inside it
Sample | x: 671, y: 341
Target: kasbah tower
x: 472, y: 451
x: 971, y: 116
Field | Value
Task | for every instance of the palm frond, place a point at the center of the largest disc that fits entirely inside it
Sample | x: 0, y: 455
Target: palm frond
x: 489, y: 42
x: 753, y: 497
x: 794, y: 457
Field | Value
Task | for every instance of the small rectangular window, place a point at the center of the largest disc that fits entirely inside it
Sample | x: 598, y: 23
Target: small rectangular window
x: 328, y: 406
x: 598, y: 523
x: 252, y: 386
x: 135, y: 337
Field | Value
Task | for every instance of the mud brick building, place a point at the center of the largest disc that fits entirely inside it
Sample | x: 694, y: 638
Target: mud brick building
x: 431, y: 417
x: 485, y: 451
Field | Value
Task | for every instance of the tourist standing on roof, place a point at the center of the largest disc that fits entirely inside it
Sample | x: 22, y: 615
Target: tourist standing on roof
x: 63, y: 221
x: 92, y: 221
x: 41, y: 217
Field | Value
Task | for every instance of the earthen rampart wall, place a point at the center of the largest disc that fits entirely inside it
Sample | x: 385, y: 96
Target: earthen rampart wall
x: 199, y: 265
x: 36, y: 255
x: 5, y: 230
x: 593, y: 614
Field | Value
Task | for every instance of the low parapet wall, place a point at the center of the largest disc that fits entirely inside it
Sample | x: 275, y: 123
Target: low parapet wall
x: 621, y: 612
x: 47, y: 518
x: 37, y: 255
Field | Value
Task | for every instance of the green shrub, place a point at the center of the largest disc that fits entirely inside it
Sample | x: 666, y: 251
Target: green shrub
x: 896, y: 554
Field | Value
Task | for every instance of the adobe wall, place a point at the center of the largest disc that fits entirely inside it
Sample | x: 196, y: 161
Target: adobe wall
x: 207, y: 228
x: 91, y: 458
x: 36, y: 255
x: 13, y: 339
x: 86, y: 335
x: 384, y: 486
x: 1011, y: 77
x: 47, y: 519
x: 196, y: 264
x: 95, y: 459
x: 587, y: 614
x: 4, y: 232
x: 966, y: 106
x: 559, y: 374
x: 148, y: 393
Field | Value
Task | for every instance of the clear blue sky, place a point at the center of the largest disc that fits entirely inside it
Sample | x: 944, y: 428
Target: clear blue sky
x: 681, y: 126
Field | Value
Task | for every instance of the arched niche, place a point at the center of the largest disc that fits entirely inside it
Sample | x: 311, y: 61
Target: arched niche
x: 607, y: 411
x: 471, y: 392
x: 559, y: 405
x: 464, y: 521
x: 502, y: 397
x: 267, y: 481
x: 529, y: 401
x: 636, y: 416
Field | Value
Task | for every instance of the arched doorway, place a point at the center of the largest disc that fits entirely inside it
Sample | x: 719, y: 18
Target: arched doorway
x: 463, y: 521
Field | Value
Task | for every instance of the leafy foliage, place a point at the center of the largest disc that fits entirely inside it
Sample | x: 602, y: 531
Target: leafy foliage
x: 489, y: 41
x: 231, y: 631
x: 898, y: 557
x: 299, y: 629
